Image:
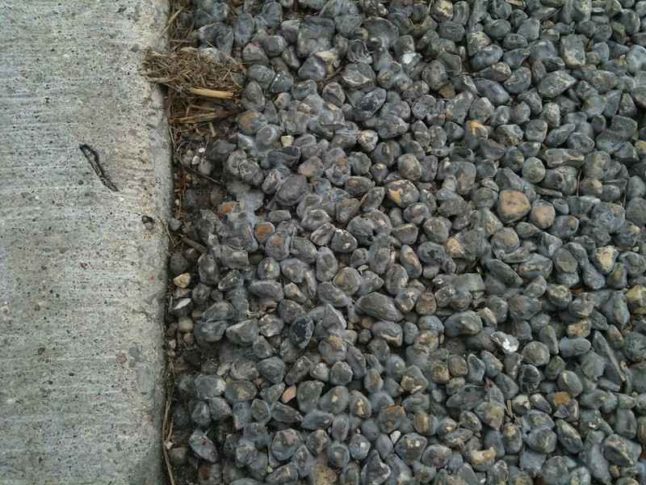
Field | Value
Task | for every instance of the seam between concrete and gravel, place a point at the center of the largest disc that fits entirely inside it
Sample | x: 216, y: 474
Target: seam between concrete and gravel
x: 82, y: 280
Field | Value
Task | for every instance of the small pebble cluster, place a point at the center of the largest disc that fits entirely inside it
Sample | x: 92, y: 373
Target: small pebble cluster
x: 430, y: 262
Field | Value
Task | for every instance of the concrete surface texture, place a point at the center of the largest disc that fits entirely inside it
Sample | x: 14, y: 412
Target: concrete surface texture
x: 82, y: 280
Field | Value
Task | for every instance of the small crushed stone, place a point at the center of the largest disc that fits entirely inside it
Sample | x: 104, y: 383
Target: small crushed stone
x: 426, y: 263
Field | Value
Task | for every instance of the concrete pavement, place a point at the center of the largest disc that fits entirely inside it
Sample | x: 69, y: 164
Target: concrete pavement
x: 82, y: 280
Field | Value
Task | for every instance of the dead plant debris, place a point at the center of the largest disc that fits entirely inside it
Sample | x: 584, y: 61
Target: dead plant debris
x: 193, y: 71
x: 201, y: 88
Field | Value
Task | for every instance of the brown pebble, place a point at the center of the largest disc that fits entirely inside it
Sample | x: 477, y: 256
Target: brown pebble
x: 447, y: 91
x: 482, y: 457
x: 476, y: 129
x: 263, y: 231
x: 512, y: 205
x: 323, y: 475
x: 288, y: 394
x: 426, y: 304
x: 542, y: 215
x: 561, y: 398
x: 636, y: 299
x: 227, y: 208
x: 579, y: 329
x: 182, y: 280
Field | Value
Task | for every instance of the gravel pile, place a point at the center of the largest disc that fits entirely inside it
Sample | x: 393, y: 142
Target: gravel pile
x: 429, y: 266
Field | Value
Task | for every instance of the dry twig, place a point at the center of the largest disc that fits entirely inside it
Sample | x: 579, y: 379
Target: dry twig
x: 165, y: 436
x: 212, y: 93
x: 171, y: 20
x: 199, y: 118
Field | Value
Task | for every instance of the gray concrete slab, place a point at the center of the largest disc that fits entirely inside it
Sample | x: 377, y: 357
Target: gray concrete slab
x: 82, y: 280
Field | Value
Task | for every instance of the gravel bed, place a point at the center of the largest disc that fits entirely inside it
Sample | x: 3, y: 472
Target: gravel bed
x: 428, y: 264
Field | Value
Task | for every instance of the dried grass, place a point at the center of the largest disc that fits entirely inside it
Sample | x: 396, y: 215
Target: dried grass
x: 201, y: 89
x: 179, y: 24
x: 192, y: 71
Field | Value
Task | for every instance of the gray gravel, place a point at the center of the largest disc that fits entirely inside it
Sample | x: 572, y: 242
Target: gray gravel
x: 429, y: 264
